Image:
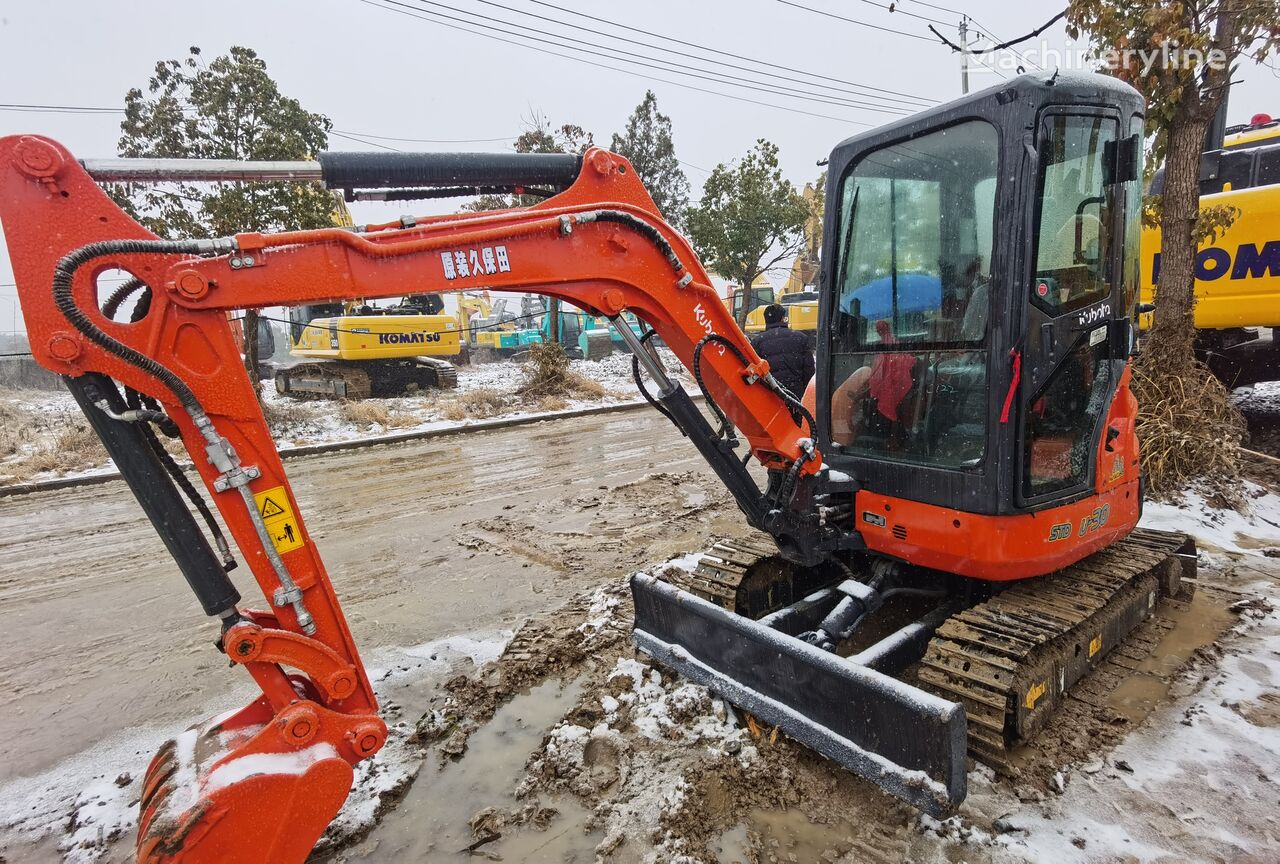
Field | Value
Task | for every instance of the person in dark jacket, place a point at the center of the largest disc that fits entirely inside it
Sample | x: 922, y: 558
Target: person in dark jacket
x: 788, y: 351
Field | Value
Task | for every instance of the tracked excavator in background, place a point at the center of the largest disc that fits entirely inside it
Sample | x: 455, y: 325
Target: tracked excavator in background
x: 946, y: 521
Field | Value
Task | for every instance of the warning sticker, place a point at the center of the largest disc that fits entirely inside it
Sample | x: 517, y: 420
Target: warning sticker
x: 273, y: 505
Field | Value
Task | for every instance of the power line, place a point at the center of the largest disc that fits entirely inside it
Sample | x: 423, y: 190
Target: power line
x: 896, y: 11
x: 341, y: 133
x: 728, y: 54
x: 939, y: 8
x: 694, y: 167
x: 435, y: 140
x: 684, y: 55
x: 58, y: 109
x: 362, y: 141
x: 621, y: 55
x: 990, y: 34
x: 826, y: 14
x: 966, y: 50
x: 422, y: 16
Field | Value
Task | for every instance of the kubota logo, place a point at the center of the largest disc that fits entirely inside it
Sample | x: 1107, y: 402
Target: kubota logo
x: 1249, y: 262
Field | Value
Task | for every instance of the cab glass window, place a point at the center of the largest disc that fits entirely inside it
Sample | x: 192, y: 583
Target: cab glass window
x: 1269, y: 167
x: 1133, y: 228
x: 909, y: 351
x: 1060, y: 420
x: 1073, y: 249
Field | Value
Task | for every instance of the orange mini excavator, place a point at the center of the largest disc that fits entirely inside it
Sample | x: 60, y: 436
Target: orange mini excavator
x: 946, y: 520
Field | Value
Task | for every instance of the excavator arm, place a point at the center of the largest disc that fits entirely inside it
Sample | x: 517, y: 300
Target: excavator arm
x: 265, y: 781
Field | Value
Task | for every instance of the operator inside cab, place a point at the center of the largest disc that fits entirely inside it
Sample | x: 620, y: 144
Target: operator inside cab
x: 916, y: 300
x: 909, y: 354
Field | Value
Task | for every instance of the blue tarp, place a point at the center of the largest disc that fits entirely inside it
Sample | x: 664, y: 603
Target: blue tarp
x: 917, y: 292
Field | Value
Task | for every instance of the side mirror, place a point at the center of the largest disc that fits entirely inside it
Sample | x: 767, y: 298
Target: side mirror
x: 1120, y: 160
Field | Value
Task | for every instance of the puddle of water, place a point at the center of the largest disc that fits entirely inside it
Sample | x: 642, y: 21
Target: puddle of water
x: 786, y: 835
x: 1196, y: 625
x: 431, y: 824
x: 733, y: 847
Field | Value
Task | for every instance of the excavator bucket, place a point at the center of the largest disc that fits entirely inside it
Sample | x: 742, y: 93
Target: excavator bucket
x: 908, y: 742
x: 235, y: 789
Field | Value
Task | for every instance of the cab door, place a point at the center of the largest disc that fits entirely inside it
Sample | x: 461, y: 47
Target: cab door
x: 1077, y: 334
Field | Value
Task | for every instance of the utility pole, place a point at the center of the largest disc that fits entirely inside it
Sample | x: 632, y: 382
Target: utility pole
x: 964, y: 55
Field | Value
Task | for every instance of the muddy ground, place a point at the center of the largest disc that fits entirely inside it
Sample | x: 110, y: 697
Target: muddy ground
x: 104, y: 652
x: 484, y: 576
x: 572, y: 747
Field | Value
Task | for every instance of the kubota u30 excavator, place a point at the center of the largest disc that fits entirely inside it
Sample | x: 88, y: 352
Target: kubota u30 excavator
x: 966, y: 455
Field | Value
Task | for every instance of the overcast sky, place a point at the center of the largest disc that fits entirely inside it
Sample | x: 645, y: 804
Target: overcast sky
x: 377, y: 70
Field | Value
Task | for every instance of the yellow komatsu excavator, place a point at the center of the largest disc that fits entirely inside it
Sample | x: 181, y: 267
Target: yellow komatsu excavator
x: 1237, y: 272
x: 359, y: 350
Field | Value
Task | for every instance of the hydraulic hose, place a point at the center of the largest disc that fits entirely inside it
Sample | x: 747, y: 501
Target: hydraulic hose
x: 652, y: 234
x: 65, y: 271
x: 635, y: 373
x: 112, y: 304
x: 769, y: 381
x: 220, y: 453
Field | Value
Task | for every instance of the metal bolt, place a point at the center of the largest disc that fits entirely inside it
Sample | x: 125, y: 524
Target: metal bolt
x: 244, y: 648
x: 235, y: 263
x: 248, y: 260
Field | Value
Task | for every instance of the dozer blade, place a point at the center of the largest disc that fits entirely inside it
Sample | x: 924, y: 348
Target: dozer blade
x: 908, y: 742
x: 236, y: 789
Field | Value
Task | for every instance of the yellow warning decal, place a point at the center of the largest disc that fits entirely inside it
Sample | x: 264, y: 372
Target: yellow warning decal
x: 1095, y: 645
x: 273, y: 505
x: 1034, y: 694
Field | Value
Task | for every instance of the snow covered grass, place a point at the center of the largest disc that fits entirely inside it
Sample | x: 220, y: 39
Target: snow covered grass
x: 44, y: 435
x: 1221, y: 530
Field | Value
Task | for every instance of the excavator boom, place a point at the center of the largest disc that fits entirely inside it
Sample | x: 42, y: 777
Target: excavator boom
x: 599, y: 244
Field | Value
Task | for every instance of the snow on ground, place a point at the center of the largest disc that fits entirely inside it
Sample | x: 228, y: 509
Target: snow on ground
x: 1260, y: 398
x: 316, y: 422
x: 1220, y: 530
x: 1198, y: 780
x: 85, y: 805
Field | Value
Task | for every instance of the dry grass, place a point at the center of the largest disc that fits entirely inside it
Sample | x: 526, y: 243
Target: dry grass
x: 15, y: 428
x: 1189, y: 432
x: 74, y: 448
x: 479, y: 403
x: 547, y: 374
x: 281, y: 414
x: 368, y: 414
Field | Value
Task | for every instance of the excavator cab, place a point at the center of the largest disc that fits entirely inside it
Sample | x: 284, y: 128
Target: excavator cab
x: 977, y: 302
